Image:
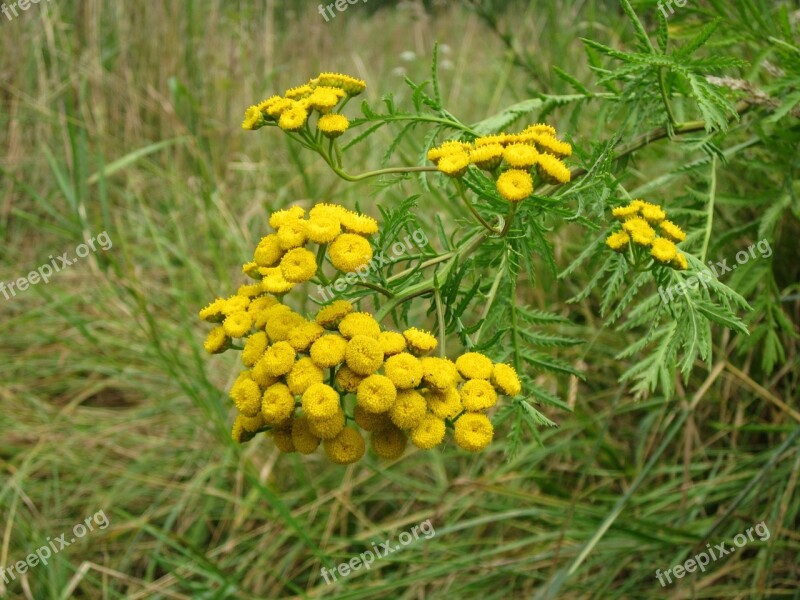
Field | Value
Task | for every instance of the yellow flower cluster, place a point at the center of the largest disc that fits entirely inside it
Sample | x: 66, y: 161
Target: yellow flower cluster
x: 639, y: 220
x: 535, y: 147
x: 292, y: 110
x: 324, y: 380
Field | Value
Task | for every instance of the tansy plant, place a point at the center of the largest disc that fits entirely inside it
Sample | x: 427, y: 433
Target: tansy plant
x: 355, y: 366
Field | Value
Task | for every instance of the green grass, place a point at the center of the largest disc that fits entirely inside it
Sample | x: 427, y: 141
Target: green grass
x: 123, y: 118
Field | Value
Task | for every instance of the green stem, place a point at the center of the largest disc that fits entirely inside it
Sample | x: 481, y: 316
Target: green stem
x: 471, y: 207
x: 490, y: 298
x: 347, y: 177
x: 376, y: 287
x: 440, y: 318
x: 662, y: 85
x: 512, y: 210
x: 712, y: 194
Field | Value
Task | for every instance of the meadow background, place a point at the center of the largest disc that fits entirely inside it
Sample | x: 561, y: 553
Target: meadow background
x: 125, y: 117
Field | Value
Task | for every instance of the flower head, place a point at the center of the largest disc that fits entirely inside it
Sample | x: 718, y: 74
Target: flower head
x: 303, y: 375
x: 354, y: 222
x: 671, y: 231
x: 389, y: 442
x: 303, y: 335
x: 640, y: 231
x: 515, y: 185
x: 363, y: 355
x: 454, y: 165
x: 404, y: 370
x: 618, y: 241
x: 332, y: 126
x: 279, y: 359
x: 446, y: 404
x: 351, y: 85
x: 293, y: 119
x: 506, y: 380
x: 391, y: 342
x: 486, y: 157
x: 217, y: 341
x: 349, y: 251
x: 370, y: 421
x: 520, y: 156
x: 438, y: 373
x: 663, y: 250
x: 477, y: 395
x: 359, y: 323
x: 376, y: 394
x: 429, y: 433
x: 347, y: 379
x: 277, y: 404
x: 280, y: 217
x: 237, y: 324
x: 254, y: 348
x: 474, y: 365
x: 552, y: 169
x: 408, y: 409
x: 320, y: 401
x: 253, y: 119
x: 328, y: 428
x: 246, y: 395
x: 304, y: 440
x: 346, y: 448
x: 420, y: 341
x: 329, y: 350
x: 330, y: 316
x: 473, y: 432
x: 298, y: 265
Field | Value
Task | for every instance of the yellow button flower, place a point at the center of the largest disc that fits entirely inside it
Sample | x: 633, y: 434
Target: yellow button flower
x: 299, y: 92
x: 277, y: 404
x: 283, y: 440
x: 235, y: 304
x: 217, y: 341
x: 388, y: 443
x: 473, y: 432
x: 640, y: 231
x: 246, y: 395
x: 298, y: 265
x: 391, y: 342
x: 477, y: 395
x: 520, y: 156
x: 268, y: 252
x: 515, y: 185
x: 474, y: 365
x: 408, y: 409
x: 505, y: 379
x: 663, y: 250
x: 279, y: 359
x: 254, y: 348
x: 329, y: 428
x: 346, y: 448
x: 303, y: 335
x: 304, y: 440
x: 445, y: 405
x: 653, y: 213
x: 624, y: 212
x: 237, y: 324
x: 293, y: 118
x: 213, y: 313
x: 376, y: 394
x: 332, y: 126
x: 671, y: 231
x: 260, y: 375
x: 363, y: 355
x: 330, y: 316
x: 253, y: 119
x: 420, y: 341
x: 359, y: 323
x: 454, y: 165
x: 349, y: 251
x: 351, y: 85
x: 320, y: 401
x: 252, y: 424
x: 438, y: 373
x: 354, y: 222
x: 281, y: 324
x: 404, y: 370
x: 551, y: 169
x: 292, y: 234
x: 618, y: 241
x: 238, y: 432
x: 369, y: 421
x: 303, y: 375
x: 322, y: 229
x: 275, y: 283
x: 548, y: 143
x: 487, y: 157
x: 280, y: 217
x: 429, y: 433
x: 347, y: 379
x: 680, y: 262
x: 328, y: 351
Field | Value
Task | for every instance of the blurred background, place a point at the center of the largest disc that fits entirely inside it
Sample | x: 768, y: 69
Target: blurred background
x: 124, y: 118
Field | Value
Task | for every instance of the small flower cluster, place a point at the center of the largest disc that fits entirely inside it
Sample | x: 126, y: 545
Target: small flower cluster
x: 638, y: 221
x: 536, y: 146
x: 382, y: 382
x: 292, y: 110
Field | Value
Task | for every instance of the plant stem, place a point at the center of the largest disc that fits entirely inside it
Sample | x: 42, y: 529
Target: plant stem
x: 712, y: 194
x: 346, y: 176
x: 472, y: 209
